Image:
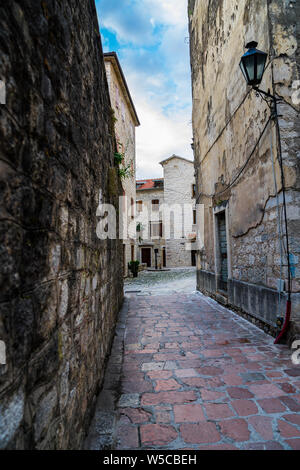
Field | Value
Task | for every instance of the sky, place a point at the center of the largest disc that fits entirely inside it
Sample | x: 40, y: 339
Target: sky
x: 151, y: 40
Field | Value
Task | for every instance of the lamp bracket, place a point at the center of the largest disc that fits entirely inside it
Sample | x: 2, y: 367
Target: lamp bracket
x: 267, y: 94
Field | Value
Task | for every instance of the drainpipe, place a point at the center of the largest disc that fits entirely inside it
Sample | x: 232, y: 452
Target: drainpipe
x: 288, y: 303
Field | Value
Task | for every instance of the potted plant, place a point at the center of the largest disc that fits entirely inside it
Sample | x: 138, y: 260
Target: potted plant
x: 133, y: 266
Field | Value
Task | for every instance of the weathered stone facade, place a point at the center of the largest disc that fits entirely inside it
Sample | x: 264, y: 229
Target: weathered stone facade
x: 174, y: 209
x: 179, y: 180
x: 147, y: 243
x: 61, y: 287
x: 239, y: 195
x: 126, y: 120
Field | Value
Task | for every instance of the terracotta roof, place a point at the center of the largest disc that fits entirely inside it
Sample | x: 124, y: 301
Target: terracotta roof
x: 149, y: 184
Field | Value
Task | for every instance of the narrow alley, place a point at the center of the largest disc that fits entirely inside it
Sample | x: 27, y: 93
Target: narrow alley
x: 149, y: 228
x: 194, y: 375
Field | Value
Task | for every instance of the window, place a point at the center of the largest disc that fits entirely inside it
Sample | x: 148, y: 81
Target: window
x: 117, y: 96
x: 124, y: 201
x: 156, y: 229
x: 132, y: 208
x: 158, y: 183
x: 108, y: 75
x: 139, y: 206
x: 193, y: 190
x: 132, y: 131
x: 194, y: 217
x: 155, y: 205
x: 123, y: 110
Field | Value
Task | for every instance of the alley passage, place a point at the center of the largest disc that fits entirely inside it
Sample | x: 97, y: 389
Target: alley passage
x: 197, y: 376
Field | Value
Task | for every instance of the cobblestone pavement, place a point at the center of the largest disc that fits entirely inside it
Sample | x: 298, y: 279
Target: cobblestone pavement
x: 197, y: 376
x: 163, y: 282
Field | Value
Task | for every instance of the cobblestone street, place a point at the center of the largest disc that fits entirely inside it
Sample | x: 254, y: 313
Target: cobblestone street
x: 162, y: 282
x: 195, y: 375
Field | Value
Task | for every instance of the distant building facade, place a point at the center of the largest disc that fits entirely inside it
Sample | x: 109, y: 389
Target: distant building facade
x: 244, y: 263
x: 166, y: 216
x: 126, y: 120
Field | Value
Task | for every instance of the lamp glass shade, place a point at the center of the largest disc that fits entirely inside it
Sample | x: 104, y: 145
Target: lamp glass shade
x: 261, y: 62
x: 252, y: 65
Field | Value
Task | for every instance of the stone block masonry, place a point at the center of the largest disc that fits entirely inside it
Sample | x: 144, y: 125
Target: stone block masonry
x: 60, y: 286
x: 243, y: 263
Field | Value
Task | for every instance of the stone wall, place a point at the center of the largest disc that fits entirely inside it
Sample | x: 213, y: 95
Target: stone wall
x: 178, y: 190
x: 125, y: 123
x: 228, y: 119
x: 60, y: 286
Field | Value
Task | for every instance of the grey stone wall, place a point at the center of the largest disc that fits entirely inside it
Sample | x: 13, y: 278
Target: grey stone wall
x: 178, y: 182
x: 227, y: 121
x: 60, y: 286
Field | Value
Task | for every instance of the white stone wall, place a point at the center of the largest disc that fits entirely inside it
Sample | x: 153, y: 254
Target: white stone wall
x: 176, y: 212
x: 228, y: 119
x: 178, y: 191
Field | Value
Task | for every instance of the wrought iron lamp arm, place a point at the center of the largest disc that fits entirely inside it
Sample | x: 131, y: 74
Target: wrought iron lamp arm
x: 265, y: 93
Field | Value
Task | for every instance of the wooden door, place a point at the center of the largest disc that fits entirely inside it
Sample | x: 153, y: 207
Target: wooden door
x: 146, y: 256
x: 223, y: 251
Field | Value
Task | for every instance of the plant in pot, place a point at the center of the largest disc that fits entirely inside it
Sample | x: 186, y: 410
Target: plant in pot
x: 133, y: 266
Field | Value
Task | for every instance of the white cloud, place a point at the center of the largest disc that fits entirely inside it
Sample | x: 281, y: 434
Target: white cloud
x: 155, y: 59
x: 160, y: 136
x: 128, y: 19
x: 172, y: 12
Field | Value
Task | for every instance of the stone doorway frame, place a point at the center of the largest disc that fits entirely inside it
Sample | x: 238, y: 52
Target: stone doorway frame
x: 222, y: 208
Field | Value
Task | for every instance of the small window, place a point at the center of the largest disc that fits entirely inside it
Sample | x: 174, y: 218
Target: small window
x: 123, y: 110
x: 194, y: 217
x: 158, y: 183
x: 155, y: 204
x: 132, y: 208
x: 193, y: 191
x: 117, y: 96
x: 132, y: 131
x: 139, y: 206
x: 156, y: 229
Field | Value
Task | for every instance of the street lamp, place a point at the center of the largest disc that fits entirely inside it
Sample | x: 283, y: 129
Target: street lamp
x: 252, y: 65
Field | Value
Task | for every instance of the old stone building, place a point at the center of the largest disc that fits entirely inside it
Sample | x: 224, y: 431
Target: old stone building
x: 126, y: 120
x: 61, y: 287
x: 244, y: 259
x: 166, y: 216
x: 151, y: 242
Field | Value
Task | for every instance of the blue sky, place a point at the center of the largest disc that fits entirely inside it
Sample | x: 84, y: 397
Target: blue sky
x: 151, y: 39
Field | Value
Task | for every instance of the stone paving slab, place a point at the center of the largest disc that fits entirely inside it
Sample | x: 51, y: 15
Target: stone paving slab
x: 197, y: 376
